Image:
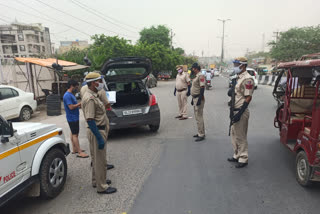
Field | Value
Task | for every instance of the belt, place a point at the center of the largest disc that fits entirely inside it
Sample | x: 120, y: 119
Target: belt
x: 181, y: 90
x: 236, y: 109
x: 101, y: 127
x: 195, y: 96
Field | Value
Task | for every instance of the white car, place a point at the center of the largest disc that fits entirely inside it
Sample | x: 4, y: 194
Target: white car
x: 32, y: 160
x: 15, y: 103
x: 251, y: 71
x: 254, y: 74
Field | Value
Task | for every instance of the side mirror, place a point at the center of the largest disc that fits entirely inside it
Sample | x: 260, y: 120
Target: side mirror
x: 6, y: 130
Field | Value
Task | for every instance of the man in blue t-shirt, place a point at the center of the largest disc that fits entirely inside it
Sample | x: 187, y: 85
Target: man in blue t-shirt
x: 71, y: 107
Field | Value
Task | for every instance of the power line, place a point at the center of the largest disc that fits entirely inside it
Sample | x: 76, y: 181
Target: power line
x: 40, y: 17
x: 86, y: 6
x: 61, y: 11
x: 96, y: 14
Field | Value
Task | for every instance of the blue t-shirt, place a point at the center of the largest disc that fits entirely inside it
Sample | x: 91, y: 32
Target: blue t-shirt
x: 72, y: 115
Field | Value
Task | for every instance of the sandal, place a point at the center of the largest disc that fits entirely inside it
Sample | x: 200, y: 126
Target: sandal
x: 77, y: 152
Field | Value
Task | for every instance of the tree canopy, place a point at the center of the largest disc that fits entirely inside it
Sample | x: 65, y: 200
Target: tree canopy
x: 296, y: 42
x: 106, y: 47
x: 159, y: 34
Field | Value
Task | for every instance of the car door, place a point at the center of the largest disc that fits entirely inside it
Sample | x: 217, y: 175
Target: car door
x: 9, y: 103
x: 10, y: 161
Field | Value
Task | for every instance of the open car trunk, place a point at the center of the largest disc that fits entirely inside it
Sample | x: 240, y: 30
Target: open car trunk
x: 129, y: 94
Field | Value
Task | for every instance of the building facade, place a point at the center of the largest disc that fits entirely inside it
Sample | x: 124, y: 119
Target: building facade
x: 22, y: 40
x: 65, y: 46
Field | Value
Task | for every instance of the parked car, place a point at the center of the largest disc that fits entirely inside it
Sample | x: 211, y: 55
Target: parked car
x: 32, y: 157
x: 135, y: 104
x: 15, y: 103
x: 254, y: 74
x: 216, y: 73
x: 150, y: 81
x: 251, y: 71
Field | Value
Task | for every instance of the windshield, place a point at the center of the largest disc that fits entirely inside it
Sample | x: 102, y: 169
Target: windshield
x: 125, y: 71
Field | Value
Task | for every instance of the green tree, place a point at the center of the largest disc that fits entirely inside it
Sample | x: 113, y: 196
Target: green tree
x: 159, y: 34
x: 296, y: 42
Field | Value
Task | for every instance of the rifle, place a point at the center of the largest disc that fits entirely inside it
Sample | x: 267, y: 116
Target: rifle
x: 232, y: 102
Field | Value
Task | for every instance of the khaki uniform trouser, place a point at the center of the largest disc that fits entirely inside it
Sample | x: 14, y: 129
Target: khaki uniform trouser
x: 239, y: 141
x: 98, y: 158
x: 198, y: 113
x: 182, y: 102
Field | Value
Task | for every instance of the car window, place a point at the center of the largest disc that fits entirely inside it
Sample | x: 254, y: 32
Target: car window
x: 250, y: 72
x: 15, y: 93
x: 6, y: 93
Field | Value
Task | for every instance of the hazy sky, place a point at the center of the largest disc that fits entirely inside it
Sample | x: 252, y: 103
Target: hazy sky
x: 194, y: 22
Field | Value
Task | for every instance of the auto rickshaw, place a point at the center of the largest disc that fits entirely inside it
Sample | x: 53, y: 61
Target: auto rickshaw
x: 298, y: 118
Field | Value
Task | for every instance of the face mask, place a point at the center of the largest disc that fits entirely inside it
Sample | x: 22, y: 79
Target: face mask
x: 237, y: 69
x: 180, y: 70
x: 100, y: 86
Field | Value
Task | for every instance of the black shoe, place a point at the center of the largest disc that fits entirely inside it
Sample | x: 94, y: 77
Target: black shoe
x: 109, y: 190
x: 110, y: 166
x: 107, y: 181
x: 178, y: 116
x: 199, y: 139
x: 241, y: 165
x: 232, y: 160
x: 196, y: 135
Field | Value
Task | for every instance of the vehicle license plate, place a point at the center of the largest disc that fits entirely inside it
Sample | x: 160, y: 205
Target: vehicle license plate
x: 131, y: 112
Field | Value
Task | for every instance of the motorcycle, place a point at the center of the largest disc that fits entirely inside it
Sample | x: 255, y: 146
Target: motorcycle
x: 208, y: 84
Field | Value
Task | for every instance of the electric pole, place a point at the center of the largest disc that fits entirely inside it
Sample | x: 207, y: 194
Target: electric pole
x: 222, y: 39
x: 263, y: 38
x: 171, y: 38
x: 276, y: 35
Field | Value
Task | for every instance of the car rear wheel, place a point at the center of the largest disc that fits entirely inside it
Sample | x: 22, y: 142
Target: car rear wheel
x: 25, y: 114
x: 303, y: 169
x: 53, y: 173
x: 154, y: 128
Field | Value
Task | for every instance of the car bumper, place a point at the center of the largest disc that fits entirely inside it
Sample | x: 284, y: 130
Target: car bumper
x: 34, y: 105
x: 151, y: 118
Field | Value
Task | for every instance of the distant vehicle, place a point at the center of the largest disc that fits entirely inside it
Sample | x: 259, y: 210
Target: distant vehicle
x: 216, y: 73
x: 15, y: 103
x: 33, y: 157
x: 135, y: 104
x: 251, y: 71
x: 164, y: 75
x: 204, y: 71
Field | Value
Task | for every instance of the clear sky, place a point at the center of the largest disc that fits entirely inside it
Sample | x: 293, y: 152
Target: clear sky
x: 194, y: 22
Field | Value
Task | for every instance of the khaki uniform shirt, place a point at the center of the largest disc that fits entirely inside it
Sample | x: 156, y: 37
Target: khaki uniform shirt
x: 101, y: 94
x: 93, y: 108
x: 198, y: 82
x: 182, y: 81
x: 244, y: 88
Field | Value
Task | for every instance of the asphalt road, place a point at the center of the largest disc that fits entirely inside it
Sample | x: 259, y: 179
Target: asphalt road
x: 168, y: 172
x: 196, y: 177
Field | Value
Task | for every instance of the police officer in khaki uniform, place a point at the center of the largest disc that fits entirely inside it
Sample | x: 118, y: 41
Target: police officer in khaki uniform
x: 182, y: 91
x: 197, y: 93
x: 95, y: 115
x: 243, y: 95
x: 103, y: 97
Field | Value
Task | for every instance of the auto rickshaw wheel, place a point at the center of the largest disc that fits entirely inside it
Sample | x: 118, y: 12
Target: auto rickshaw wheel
x: 303, y: 169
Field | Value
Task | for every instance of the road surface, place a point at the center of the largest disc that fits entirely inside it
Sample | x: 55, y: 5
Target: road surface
x: 168, y: 172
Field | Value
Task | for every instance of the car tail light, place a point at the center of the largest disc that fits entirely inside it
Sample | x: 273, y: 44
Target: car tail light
x: 152, y: 100
x: 109, y: 109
